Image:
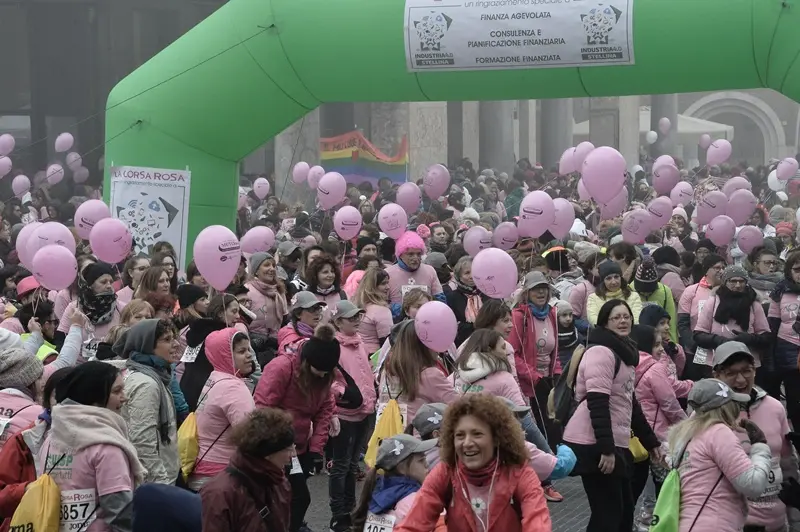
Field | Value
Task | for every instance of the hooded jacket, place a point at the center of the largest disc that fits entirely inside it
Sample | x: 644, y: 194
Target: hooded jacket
x: 523, y: 340
x: 354, y: 363
x: 656, y: 395
x: 482, y: 377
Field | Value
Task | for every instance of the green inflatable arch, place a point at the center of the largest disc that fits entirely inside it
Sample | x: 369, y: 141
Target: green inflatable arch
x: 256, y: 66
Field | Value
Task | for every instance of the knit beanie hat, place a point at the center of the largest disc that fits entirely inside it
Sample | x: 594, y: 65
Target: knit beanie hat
x: 667, y: 255
x: 256, y: 260
x: 733, y: 272
x: 364, y: 241
x: 9, y: 340
x: 607, y: 268
x: 784, y: 229
x: 563, y: 306
x: 680, y: 211
x: 189, y: 294
x: 19, y: 368
x: 322, y: 350
x: 646, y: 279
x: 94, y: 271
x: 408, y: 240
x: 706, y: 243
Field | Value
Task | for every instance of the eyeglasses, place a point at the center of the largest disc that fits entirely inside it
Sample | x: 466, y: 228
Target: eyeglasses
x: 736, y: 281
x: 620, y: 317
x: 796, y: 269
x: 769, y: 262
x: 747, y: 373
x: 717, y: 268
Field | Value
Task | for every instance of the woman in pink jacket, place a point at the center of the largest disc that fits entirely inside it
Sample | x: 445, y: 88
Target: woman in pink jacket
x: 300, y: 382
x: 373, y: 296
x: 355, y: 405
x: 304, y: 316
x: 735, y: 366
x: 224, y: 402
x: 483, y: 367
x: 324, y: 280
x: 267, y: 294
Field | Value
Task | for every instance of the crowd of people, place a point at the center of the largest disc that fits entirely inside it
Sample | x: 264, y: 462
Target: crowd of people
x: 677, y: 356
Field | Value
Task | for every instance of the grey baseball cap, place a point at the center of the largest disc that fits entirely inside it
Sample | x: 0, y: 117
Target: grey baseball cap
x: 429, y: 418
x: 728, y: 349
x: 394, y: 450
x: 518, y: 410
x: 709, y: 394
x: 287, y: 248
x: 346, y: 309
x: 534, y: 279
x: 436, y: 259
x: 305, y: 300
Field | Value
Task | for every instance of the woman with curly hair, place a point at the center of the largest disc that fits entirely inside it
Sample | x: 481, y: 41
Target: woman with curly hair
x: 484, y: 478
x: 324, y: 280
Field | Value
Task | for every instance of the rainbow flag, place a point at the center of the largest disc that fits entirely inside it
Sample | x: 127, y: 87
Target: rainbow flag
x: 358, y: 160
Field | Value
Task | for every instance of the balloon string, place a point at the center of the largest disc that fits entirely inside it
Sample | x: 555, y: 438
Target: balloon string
x: 291, y: 166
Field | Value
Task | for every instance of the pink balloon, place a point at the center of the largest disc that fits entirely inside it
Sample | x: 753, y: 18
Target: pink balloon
x: 55, y: 173
x: 111, y: 241
x: 22, y: 244
x: 567, y: 163
x: 712, y: 205
x: 217, y: 253
x: 718, y: 152
x: 308, y: 241
x: 604, y: 173
x: 54, y: 267
x: 495, y: 273
x: 5, y: 165
x: 741, y: 206
x: 563, y: 219
x: 314, y: 176
x: 409, y: 197
x: 476, y: 239
x: 749, y: 238
x: 347, y: 222
x: 583, y: 194
x: 616, y: 206
x: 392, y: 219
x: 664, y: 125
x: 665, y: 177
x: 7, y: 143
x: 48, y: 234
x: 664, y: 159
x: 536, y: 214
x: 505, y: 237
x: 74, y: 160
x: 436, y: 181
x: 682, y: 194
x: 261, y: 188
x: 720, y: 230
x: 736, y: 183
x: 258, y: 239
x: 436, y: 326
x: 64, y: 142
x: 636, y: 226
x: 80, y: 175
x: 787, y: 168
x: 20, y: 185
x: 300, y: 172
x: 581, y: 151
x: 705, y: 141
x: 660, y: 210
x: 331, y: 189
x: 88, y: 214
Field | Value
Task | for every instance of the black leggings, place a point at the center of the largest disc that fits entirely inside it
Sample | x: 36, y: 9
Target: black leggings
x: 610, y: 501
x: 301, y: 497
x: 551, y: 430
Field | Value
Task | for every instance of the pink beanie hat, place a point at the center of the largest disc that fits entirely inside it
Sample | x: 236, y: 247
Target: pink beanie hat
x: 423, y: 231
x: 408, y: 240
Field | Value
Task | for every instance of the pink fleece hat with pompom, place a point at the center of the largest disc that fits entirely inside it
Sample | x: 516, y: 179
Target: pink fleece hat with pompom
x: 408, y: 240
x: 423, y: 231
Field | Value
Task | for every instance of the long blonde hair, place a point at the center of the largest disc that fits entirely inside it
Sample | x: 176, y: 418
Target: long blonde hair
x: 681, y: 433
x: 368, y: 293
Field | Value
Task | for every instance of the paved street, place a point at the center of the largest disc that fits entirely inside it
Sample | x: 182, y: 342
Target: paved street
x: 568, y: 516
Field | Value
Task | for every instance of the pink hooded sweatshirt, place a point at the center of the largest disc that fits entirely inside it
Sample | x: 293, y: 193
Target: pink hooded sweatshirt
x: 482, y: 377
x: 290, y: 341
x: 656, y: 395
x: 224, y: 402
x: 354, y: 359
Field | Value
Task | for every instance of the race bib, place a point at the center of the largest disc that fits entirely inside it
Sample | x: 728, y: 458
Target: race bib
x: 90, y: 349
x: 190, y: 353
x: 296, y: 468
x: 78, y: 510
x: 379, y: 523
x: 403, y: 411
x: 700, y: 355
x: 406, y: 287
x: 774, y: 479
x: 4, y: 421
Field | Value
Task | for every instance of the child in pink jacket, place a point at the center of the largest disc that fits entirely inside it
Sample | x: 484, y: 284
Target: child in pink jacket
x: 355, y: 405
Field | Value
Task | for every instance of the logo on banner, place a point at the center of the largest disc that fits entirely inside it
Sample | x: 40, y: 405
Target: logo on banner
x: 431, y: 29
x: 599, y: 22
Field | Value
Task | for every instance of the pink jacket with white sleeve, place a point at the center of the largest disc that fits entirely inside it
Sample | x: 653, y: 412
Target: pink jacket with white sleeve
x: 656, y: 395
x: 354, y: 360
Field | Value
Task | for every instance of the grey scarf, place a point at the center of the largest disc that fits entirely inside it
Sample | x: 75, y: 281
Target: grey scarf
x: 134, y: 363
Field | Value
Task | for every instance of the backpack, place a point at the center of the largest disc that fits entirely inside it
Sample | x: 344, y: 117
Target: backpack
x: 561, y: 403
x: 667, y: 513
x: 389, y: 423
x: 189, y: 440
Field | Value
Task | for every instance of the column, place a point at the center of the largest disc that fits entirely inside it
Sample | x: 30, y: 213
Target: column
x: 664, y: 105
x: 298, y: 142
x: 497, y: 136
x: 615, y: 122
x: 455, y: 132
x: 556, y: 130
x: 527, y: 130
x: 427, y: 136
x: 471, y: 129
x: 388, y: 125
x: 629, y: 129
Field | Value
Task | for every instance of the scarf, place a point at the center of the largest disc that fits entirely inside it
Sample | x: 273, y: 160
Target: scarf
x: 76, y: 426
x: 99, y: 308
x: 736, y: 306
x: 271, y: 291
x: 478, y: 477
x: 704, y: 283
x: 404, y: 266
x: 325, y: 291
x: 441, y: 248
x: 787, y: 286
x: 766, y: 282
x: 474, y: 300
x: 160, y: 371
x: 540, y: 313
x: 389, y: 490
x: 622, y: 346
x: 567, y: 338
x: 304, y: 329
